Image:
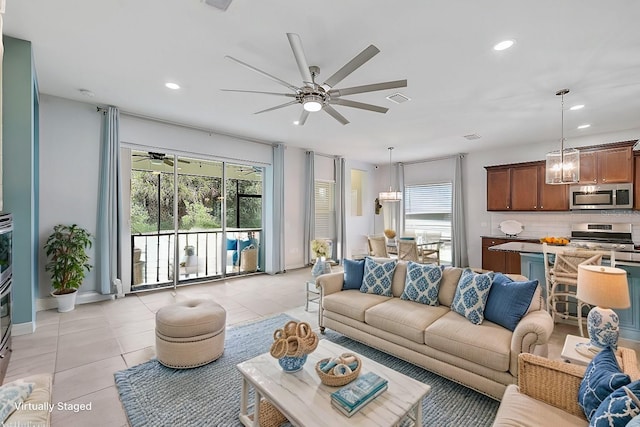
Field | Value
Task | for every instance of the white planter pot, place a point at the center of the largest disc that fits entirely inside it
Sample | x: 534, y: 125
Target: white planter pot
x: 66, y: 302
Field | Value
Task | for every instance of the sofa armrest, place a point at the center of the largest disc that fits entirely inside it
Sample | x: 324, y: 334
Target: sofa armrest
x: 551, y: 381
x: 533, y: 330
x: 330, y: 283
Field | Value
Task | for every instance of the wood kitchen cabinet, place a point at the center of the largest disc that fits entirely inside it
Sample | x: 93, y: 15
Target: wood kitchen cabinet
x: 636, y: 183
x: 522, y: 187
x: 607, y: 165
x: 498, y: 261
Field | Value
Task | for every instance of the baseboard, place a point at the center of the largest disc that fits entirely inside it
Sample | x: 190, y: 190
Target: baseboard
x: 23, y: 328
x: 49, y: 303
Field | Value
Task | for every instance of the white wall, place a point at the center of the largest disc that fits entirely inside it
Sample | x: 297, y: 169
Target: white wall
x: 69, y: 175
x: 359, y: 227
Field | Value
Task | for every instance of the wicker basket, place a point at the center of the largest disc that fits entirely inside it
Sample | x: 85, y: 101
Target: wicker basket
x: 338, y: 380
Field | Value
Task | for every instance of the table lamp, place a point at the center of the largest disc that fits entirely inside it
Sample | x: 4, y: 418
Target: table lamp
x: 605, y: 288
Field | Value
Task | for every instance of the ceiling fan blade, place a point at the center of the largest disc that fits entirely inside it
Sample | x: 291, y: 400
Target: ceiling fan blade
x: 286, y: 104
x: 301, y: 59
x: 361, y: 105
x: 274, y: 78
x: 333, y: 113
x: 352, y: 65
x: 368, y: 88
x: 187, y: 162
x: 290, y: 95
x: 303, y: 117
x: 168, y: 162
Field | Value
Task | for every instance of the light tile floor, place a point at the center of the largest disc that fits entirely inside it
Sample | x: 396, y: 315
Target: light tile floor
x: 85, y: 347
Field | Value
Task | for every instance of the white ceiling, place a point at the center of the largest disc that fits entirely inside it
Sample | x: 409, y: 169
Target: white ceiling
x: 125, y: 50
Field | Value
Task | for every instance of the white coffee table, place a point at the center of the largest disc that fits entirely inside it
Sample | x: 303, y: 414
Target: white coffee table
x: 305, y: 401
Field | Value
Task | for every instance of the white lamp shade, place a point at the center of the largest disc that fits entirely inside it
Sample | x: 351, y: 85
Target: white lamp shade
x: 563, y: 168
x: 603, y: 286
x: 390, y: 196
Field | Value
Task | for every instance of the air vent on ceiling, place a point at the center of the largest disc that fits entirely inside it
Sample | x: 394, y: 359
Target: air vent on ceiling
x: 398, y: 98
x: 472, y: 136
x: 218, y: 4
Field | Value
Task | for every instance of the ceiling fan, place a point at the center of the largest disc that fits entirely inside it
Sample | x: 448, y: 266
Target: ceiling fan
x: 158, y: 158
x: 315, y: 97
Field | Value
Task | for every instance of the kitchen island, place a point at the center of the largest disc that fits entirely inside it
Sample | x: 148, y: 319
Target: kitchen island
x: 532, y: 266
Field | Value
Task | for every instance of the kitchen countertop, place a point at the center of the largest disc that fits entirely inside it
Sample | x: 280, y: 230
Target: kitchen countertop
x: 505, y: 237
x: 631, y: 258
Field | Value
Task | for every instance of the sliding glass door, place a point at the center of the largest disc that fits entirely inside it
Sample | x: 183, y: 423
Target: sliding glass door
x: 203, y: 216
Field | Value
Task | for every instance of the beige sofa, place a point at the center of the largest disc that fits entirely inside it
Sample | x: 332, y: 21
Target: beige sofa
x: 483, y: 357
x: 547, y: 392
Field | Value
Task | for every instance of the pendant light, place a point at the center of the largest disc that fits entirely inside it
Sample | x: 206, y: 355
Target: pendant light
x: 563, y: 166
x: 391, y: 195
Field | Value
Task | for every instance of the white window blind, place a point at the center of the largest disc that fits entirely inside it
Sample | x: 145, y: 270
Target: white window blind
x: 428, y: 199
x: 325, y: 210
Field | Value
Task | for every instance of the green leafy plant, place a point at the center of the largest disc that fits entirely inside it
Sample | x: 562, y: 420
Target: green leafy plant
x: 67, y: 249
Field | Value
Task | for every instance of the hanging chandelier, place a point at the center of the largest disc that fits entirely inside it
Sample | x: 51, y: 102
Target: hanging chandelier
x: 391, y: 195
x: 562, y: 166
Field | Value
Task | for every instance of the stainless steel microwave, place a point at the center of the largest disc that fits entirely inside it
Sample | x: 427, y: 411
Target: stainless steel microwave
x: 604, y: 196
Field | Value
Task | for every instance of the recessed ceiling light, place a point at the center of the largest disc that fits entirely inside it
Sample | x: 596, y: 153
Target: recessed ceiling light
x: 584, y: 126
x: 173, y: 86
x: 505, y: 44
x: 577, y: 107
x: 296, y: 122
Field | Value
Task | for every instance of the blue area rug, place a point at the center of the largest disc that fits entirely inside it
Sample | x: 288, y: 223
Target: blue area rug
x: 154, y: 395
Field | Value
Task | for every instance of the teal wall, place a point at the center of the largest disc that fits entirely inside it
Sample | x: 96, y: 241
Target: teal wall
x: 19, y: 145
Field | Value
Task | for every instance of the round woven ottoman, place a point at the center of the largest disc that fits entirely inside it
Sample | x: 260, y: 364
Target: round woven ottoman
x: 190, y: 333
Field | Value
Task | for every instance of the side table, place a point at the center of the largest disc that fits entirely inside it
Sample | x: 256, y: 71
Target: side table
x: 569, y: 353
x: 313, y: 294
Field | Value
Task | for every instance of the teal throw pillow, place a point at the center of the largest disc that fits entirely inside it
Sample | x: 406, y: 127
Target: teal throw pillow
x: 378, y: 277
x: 353, y: 273
x: 618, y: 408
x: 508, y: 301
x: 471, y: 295
x: 602, y: 377
x: 11, y: 395
x: 422, y: 283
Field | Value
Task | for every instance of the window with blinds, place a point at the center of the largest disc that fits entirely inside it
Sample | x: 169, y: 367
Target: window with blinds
x: 428, y: 207
x: 325, y: 210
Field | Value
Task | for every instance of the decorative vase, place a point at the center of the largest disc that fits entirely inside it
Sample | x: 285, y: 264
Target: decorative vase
x: 319, y: 267
x: 291, y: 364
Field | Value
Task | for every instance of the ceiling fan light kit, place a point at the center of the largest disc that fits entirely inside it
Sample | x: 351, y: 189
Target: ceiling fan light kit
x: 316, y: 97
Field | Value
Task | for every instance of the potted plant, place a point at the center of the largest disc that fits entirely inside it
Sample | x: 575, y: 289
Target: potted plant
x: 67, y: 249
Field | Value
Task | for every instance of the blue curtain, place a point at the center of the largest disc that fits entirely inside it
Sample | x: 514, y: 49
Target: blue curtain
x: 278, y: 264
x: 309, y: 206
x: 458, y: 226
x: 340, y: 202
x: 109, y: 204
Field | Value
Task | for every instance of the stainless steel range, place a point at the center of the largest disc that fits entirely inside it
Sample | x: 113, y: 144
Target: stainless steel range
x: 600, y: 236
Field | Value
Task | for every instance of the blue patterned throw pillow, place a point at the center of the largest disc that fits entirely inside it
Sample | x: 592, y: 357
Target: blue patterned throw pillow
x: 471, y: 295
x: 377, y: 277
x: 11, y: 395
x: 618, y: 408
x: 422, y: 283
x: 602, y: 377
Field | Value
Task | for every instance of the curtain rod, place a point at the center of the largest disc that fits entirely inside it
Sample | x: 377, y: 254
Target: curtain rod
x: 191, y: 127
x: 453, y: 156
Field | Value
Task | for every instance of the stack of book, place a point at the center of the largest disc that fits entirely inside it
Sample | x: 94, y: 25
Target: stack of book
x: 355, y: 395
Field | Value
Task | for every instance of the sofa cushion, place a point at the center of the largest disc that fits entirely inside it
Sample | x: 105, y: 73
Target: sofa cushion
x: 508, y: 301
x: 518, y: 409
x: 353, y: 273
x: 377, y: 277
x: 448, y: 285
x: 471, y: 295
x: 618, y: 408
x: 422, y: 283
x: 12, y: 395
x: 404, y: 318
x: 602, y: 377
x: 351, y: 303
x: 36, y: 411
x: 487, y: 344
